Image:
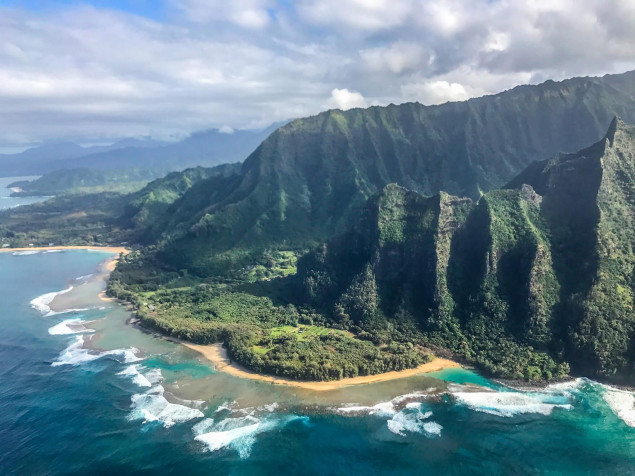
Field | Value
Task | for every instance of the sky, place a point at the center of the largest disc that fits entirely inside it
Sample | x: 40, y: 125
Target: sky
x: 99, y: 70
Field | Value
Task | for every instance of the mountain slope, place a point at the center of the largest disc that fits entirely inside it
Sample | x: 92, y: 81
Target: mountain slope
x: 73, y: 181
x: 106, y: 217
x: 528, y: 279
x: 311, y: 177
x: 590, y: 208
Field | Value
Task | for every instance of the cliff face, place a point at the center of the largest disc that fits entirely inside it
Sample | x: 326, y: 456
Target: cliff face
x: 532, y: 275
x: 310, y: 178
x: 590, y: 208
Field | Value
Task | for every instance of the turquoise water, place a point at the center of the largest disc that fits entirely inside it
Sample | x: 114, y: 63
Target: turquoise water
x: 93, y: 395
x: 7, y: 201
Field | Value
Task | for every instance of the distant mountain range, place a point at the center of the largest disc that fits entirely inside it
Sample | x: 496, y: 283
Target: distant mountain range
x: 205, y: 148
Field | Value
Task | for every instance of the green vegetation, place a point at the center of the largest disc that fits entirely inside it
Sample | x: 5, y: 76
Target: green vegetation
x: 525, y: 282
x: 86, y: 181
x: 267, y: 337
x: 102, y: 218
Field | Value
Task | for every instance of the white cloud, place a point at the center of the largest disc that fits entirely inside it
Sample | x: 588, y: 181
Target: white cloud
x: 435, y: 92
x: 397, y: 58
x: 226, y: 130
x: 245, y: 13
x: 362, y: 14
x: 496, y: 41
x: 344, y: 99
x: 82, y: 71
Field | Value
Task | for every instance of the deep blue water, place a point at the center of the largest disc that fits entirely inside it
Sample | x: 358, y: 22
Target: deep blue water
x: 68, y: 410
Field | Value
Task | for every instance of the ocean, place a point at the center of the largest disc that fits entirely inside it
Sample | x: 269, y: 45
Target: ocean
x: 7, y: 201
x: 84, y: 392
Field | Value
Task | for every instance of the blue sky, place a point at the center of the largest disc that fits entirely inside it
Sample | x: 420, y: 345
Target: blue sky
x: 99, y: 70
x: 154, y: 9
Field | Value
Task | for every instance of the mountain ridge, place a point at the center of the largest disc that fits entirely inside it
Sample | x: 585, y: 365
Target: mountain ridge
x: 551, y: 283
x: 309, y: 179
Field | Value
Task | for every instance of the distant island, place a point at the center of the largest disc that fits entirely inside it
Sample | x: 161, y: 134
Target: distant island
x: 369, y: 241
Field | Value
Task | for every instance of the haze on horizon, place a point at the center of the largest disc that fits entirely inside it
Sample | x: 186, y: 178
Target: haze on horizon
x: 98, y: 70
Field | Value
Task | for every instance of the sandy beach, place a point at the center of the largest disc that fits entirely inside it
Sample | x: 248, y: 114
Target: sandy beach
x: 218, y: 356
x: 104, y: 272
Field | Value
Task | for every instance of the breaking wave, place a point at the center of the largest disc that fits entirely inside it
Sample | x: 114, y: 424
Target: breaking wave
x: 507, y: 404
x: 413, y: 420
x: 69, y: 326
x: 238, y: 434
x: 41, y: 303
x: 152, y: 406
x: 386, y: 408
x: 76, y: 354
x: 621, y: 402
x: 511, y: 403
x: 137, y: 377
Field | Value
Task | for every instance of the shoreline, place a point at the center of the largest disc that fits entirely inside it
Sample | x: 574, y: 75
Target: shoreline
x: 113, y: 249
x: 105, y: 268
x: 217, y: 354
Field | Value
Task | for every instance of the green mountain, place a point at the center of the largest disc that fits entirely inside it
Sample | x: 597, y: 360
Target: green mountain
x: 73, y: 181
x: 525, y: 281
x: 310, y: 178
x: 589, y: 207
x: 111, y: 217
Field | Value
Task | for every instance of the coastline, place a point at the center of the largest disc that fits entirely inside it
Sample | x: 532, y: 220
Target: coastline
x: 107, y: 267
x: 217, y: 354
x: 113, y: 249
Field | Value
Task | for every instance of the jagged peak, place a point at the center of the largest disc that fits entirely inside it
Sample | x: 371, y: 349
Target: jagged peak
x: 618, y: 126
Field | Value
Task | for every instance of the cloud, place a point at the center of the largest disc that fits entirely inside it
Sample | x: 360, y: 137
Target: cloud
x: 226, y: 130
x: 360, y: 14
x: 398, y: 58
x: 77, y: 71
x: 245, y: 13
x: 435, y: 92
x: 344, y: 99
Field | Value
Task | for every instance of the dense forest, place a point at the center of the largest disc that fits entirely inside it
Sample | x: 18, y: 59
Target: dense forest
x: 363, y: 241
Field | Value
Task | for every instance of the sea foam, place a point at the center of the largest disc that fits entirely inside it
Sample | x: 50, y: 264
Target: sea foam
x: 69, y: 326
x: 385, y: 408
x: 508, y: 404
x: 137, y: 377
x: 76, y: 354
x: 622, y: 403
x: 41, y: 303
x: 152, y: 406
x: 238, y: 434
x: 408, y: 420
